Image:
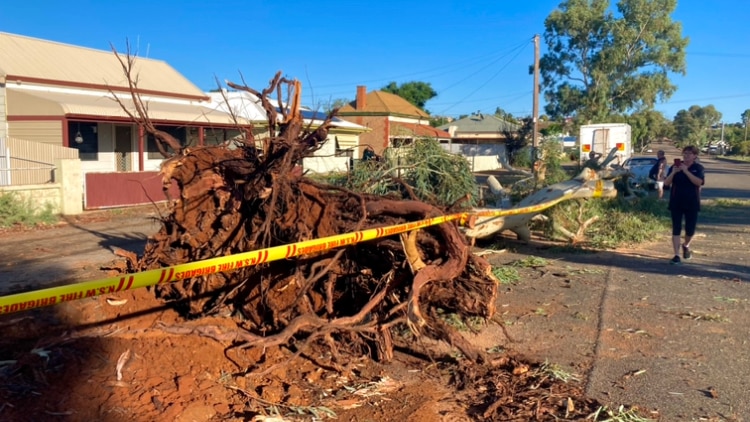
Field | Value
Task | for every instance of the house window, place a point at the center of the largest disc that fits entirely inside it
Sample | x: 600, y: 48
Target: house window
x: 83, y: 136
x: 178, y: 133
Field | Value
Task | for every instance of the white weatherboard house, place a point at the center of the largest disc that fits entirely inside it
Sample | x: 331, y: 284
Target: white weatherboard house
x: 335, y: 155
x: 481, y: 139
x: 63, y: 96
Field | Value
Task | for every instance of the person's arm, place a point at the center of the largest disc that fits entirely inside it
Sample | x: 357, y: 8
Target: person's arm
x: 668, y: 180
x: 696, y: 179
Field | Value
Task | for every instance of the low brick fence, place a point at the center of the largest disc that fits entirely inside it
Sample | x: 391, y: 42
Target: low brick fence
x: 65, y: 194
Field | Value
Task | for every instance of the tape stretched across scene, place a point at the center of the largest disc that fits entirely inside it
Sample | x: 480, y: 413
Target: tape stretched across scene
x: 55, y: 295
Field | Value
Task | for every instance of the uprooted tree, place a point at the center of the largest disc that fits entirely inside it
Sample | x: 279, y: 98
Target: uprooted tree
x: 333, y: 306
x: 349, y: 299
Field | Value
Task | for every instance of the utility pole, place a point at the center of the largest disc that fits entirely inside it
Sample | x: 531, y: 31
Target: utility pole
x: 535, y: 108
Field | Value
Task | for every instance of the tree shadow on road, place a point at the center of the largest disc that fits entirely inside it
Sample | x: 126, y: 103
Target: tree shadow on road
x: 652, y: 260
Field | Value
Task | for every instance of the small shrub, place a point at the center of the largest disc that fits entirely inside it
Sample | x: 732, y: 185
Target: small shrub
x: 15, y: 211
x: 575, y: 155
x: 522, y: 158
x: 555, y: 173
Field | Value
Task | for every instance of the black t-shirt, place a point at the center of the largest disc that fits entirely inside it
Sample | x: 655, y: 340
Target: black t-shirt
x: 685, y: 195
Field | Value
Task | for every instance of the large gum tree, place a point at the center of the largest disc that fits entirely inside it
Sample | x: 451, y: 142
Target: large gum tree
x: 599, y: 63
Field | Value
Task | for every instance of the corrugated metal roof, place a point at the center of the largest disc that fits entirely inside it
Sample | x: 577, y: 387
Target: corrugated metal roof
x: 241, y: 103
x: 247, y: 105
x: 47, y: 60
x: 386, y: 103
x: 481, y: 123
x: 40, y: 103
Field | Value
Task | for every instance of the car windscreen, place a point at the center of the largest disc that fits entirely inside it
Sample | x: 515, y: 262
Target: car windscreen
x: 642, y: 162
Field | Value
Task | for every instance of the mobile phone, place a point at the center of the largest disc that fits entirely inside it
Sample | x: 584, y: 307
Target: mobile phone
x: 677, y: 162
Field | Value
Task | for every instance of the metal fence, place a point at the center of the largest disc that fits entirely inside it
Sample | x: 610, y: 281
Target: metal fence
x: 29, y: 163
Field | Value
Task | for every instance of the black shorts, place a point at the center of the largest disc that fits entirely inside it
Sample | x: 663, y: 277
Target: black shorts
x: 691, y: 220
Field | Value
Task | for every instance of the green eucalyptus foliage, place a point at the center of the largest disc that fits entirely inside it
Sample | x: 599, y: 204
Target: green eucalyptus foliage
x: 693, y: 126
x: 599, y: 63
x: 438, y: 176
x: 434, y: 175
x: 621, y: 223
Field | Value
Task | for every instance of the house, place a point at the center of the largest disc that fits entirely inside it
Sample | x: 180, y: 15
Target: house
x: 334, y: 155
x: 481, y: 138
x: 393, y: 121
x: 65, y: 95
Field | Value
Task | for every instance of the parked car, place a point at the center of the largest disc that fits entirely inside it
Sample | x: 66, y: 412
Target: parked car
x: 639, y: 167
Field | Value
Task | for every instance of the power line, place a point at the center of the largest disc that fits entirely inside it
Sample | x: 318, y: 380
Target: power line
x: 520, y: 46
x: 707, y: 99
x: 520, y: 50
x: 453, y: 67
x: 718, y: 54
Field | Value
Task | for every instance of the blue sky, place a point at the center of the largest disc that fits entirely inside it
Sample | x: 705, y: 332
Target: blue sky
x: 476, y: 54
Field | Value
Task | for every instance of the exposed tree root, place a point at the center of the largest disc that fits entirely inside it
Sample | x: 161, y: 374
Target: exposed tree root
x: 348, y: 299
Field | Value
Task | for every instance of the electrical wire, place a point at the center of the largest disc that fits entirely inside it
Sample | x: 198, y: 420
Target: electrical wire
x: 520, y: 50
x: 454, y: 66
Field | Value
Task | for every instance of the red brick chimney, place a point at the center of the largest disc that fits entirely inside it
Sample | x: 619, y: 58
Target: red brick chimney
x: 361, y: 97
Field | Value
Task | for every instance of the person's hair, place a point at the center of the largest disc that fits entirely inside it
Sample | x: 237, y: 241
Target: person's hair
x: 660, y: 152
x: 691, y: 148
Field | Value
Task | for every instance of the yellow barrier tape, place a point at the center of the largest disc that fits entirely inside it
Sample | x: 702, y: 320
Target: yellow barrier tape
x: 55, y: 295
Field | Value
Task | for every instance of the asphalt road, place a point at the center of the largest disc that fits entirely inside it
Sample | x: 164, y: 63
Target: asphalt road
x: 673, y: 340
x: 695, y: 350
x: 73, y: 251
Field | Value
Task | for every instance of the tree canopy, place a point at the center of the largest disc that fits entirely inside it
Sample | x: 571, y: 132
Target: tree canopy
x: 504, y: 115
x: 599, y: 64
x: 693, y: 126
x: 646, y: 126
x: 417, y: 93
x: 332, y: 104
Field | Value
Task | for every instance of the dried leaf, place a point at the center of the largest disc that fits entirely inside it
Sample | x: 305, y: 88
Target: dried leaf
x: 116, y: 302
x: 521, y: 369
x: 121, y: 362
x: 347, y: 403
x: 570, y: 407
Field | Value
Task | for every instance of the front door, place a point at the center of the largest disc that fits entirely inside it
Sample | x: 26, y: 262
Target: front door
x: 123, y: 148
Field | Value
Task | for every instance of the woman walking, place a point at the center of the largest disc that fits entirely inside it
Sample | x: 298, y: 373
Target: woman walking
x: 686, y: 179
